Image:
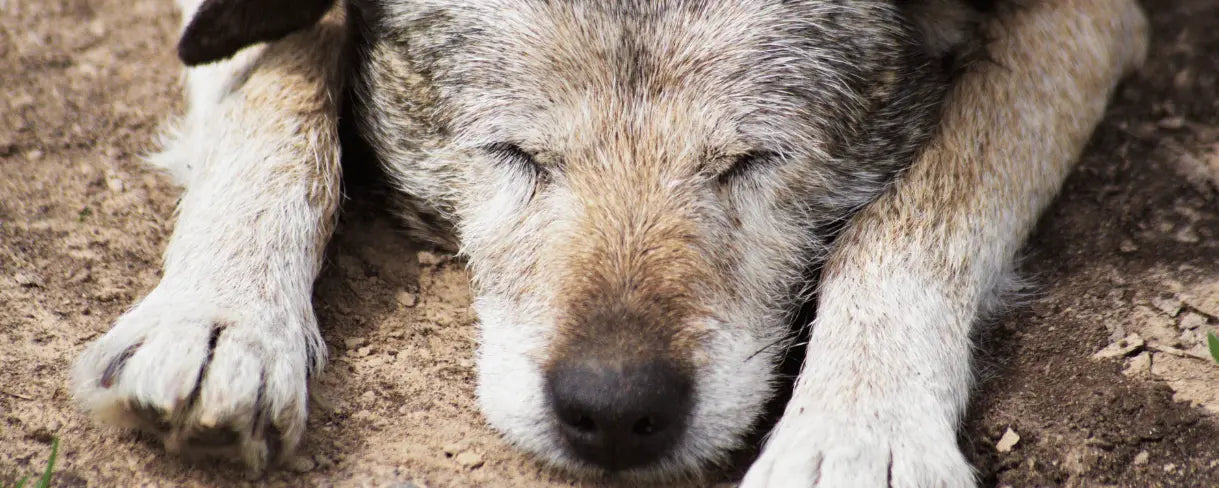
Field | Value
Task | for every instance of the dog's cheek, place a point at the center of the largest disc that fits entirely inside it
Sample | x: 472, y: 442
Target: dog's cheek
x: 496, y: 210
x: 510, y: 379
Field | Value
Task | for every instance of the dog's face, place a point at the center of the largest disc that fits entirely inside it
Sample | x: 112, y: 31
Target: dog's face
x: 641, y: 189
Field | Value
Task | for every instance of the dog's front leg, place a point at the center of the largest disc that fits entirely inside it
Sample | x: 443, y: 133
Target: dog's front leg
x: 887, y: 374
x: 216, y: 358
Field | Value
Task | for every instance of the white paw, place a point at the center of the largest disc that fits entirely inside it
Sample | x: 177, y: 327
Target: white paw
x: 229, y: 381
x: 858, y: 451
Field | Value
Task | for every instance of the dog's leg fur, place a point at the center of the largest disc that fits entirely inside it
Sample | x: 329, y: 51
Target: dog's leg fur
x: 887, y: 372
x: 218, y: 356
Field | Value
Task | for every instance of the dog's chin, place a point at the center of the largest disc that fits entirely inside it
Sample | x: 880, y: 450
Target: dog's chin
x: 664, y: 472
x: 731, y: 391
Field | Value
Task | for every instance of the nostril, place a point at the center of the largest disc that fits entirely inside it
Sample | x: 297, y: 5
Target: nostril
x: 645, y: 426
x: 583, y: 424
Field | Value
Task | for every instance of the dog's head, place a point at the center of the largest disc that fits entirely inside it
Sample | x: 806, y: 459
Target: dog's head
x: 641, y: 188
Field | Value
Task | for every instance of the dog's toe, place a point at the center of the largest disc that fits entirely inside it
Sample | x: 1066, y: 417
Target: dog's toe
x: 204, y: 381
x: 835, y: 451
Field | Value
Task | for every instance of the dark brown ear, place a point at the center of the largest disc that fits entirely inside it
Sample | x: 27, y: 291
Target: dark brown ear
x: 951, y: 31
x: 222, y: 27
x: 945, y: 25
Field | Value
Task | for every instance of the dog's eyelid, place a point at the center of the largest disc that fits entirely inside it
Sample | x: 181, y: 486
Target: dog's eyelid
x: 541, y: 165
x: 743, y: 162
x: 508, y: 149
x: 753, y: 156
x: 513, y: 152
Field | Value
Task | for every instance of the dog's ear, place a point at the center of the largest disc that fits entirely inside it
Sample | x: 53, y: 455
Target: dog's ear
x: 951, y: 30
x: 944, y: 25
x: 222, y: 27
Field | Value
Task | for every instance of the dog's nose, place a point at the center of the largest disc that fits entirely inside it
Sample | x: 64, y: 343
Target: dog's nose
x: 619, y: 416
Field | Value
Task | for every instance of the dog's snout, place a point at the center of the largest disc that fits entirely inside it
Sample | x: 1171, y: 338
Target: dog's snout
x: 619, y: 416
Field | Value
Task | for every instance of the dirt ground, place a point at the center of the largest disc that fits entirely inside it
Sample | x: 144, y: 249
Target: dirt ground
x: 1128, y: 256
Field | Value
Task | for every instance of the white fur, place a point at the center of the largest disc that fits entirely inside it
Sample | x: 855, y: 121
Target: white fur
x: 885, y: 381
x: 240, y: 265
x: 887, y: 373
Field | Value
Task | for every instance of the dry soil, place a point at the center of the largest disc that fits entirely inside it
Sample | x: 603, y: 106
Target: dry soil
x: 1129, y: 255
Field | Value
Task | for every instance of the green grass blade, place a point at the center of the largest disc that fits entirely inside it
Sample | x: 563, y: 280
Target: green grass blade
x: 21, y: 482
x: 1213, y: 343
x: 45, y: 481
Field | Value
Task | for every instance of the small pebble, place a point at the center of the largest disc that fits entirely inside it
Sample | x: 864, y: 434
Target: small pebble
x: 301, y: 464
x: 1141, y: 458
x: 1190, y: 321
x: 355, y: 342
x: 1128, y: 246
x: 406, y: 298
x: 97, y: 28
x: 109, y: 293
x: 115, y: 182
x: 1008, y: 441
x: 28, y: 280
x: 1120, y: 348
x: 469, y: 460
x: 1170, y: 306
x: 1174, y: 122
x: 81, y: 275
x: 364, y: 351
x: 427, y: 258
x: 1138, y: 365
x: 1187, y: 235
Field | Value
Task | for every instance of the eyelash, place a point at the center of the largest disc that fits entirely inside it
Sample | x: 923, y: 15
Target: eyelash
x: 511, y: 151
x: 514, y: 154
x: 743, y: 163
x: 739, y: 167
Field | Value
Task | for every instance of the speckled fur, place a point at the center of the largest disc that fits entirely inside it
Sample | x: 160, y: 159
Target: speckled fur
x: 641, y: 178
x: 631, y: 233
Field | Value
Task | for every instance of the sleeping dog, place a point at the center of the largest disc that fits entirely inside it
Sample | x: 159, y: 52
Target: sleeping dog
x: 645, y: 192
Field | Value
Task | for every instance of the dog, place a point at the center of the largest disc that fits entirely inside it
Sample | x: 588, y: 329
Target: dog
x: 645, y: 192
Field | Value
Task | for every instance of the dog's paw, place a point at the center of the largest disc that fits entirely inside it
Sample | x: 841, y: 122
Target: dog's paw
x: 206, y: 379
x: 848, y: 452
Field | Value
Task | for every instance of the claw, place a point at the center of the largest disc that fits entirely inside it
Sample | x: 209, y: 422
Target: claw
x: 160, y: 380
x: 116, y: 365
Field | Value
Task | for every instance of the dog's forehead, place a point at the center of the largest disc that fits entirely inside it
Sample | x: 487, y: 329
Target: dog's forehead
x: 735, y: 66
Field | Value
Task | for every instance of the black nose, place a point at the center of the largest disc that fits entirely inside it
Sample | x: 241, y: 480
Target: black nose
x: 619, y: 416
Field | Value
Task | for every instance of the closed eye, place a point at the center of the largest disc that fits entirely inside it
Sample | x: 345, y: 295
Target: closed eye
x: 513, y: 154
x: 744, y: 163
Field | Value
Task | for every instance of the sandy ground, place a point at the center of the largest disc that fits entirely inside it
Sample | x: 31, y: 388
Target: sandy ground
x: 1128, y: 255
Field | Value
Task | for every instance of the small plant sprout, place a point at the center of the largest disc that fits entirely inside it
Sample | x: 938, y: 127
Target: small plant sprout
x: 45, y: 480
x: 1212, y: 342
